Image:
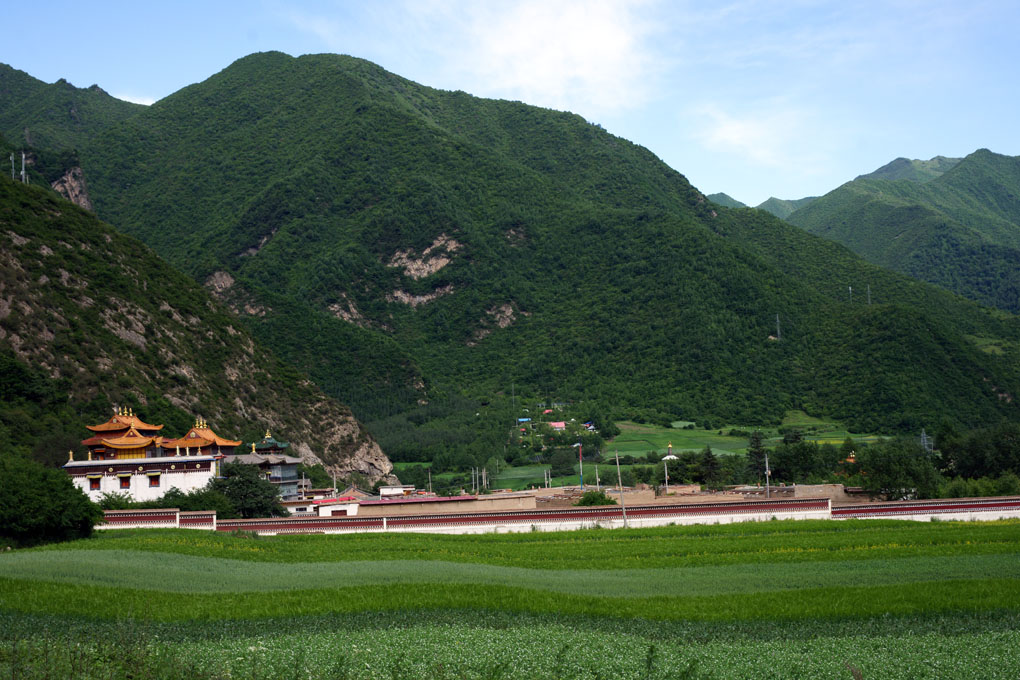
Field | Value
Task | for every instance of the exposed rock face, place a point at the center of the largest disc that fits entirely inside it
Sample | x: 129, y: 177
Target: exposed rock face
x: 499, y: 316
x: 72, y: 187
x: 415, y: 300
x: 218, y: 282
x: 149, y: 335
x: 239, y: 300
x: 432, y: 259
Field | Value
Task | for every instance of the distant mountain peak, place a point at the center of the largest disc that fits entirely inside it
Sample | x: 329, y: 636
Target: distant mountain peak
x: 912, y: 169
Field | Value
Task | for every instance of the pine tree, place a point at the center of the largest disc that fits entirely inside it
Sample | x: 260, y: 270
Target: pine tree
x: 756, y: 454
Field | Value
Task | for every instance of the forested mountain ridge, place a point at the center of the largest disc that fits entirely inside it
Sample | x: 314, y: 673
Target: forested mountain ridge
x: 58, y: 115
x: 90, y: 318
x: 959, y: 229
x: 913, y: 169
x: 783, y: 208
x: 405, y: 244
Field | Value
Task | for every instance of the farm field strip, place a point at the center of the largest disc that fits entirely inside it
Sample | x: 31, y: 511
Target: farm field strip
x: 191, y: 574
x: 969, y: 595
x: 472, y: 646
x: 663, y: 547
x: 885, y: 598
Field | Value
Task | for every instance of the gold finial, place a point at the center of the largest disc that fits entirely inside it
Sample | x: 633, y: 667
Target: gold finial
x: 268, y: 436
x: 131, y: 412
x: 253, y: 447
x: 70, y: 456
x: 90, y: 454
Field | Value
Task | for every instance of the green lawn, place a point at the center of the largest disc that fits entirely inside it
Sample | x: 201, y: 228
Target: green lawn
x: 638, y: 439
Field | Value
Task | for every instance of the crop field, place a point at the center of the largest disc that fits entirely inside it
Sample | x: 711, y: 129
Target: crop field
x: 638, y: 439
x: 807, y: 599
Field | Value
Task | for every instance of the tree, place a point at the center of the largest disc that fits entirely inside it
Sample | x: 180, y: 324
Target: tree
x: 207, y: 498
x: 248, y: 492
x: 562, y: 462
x: 42, y: 505
x: 708, y: 467
x: 595, y: 498
x: 899, y: 469
x: 756, y: 454
x: 316, y: 474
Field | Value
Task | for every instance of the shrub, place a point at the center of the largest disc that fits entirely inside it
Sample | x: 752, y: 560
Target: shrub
x: 42, y: 505
x: 595, y: 498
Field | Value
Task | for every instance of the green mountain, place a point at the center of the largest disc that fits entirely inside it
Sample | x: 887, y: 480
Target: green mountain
x: 959, y: 230
x: 914, y: 170
x: 90, y: 318
x: 420, y: 253
x: 725, y: 201
x: 782, y: 208
x: 57, y: 115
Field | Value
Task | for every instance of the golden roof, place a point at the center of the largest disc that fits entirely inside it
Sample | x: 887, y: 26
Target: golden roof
x: 130, y: 440
x: 199, y: 436
x: 122, y: 420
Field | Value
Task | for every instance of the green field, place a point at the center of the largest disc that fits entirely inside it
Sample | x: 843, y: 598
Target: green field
x: 775, y: 599
x: 638, y: 439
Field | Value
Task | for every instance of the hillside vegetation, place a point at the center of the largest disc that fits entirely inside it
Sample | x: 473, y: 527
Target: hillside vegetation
x: 91, y: 319
x: 913, y: 169
x: 959, y: 228
x: 412, y: 248
x: 783, y: 208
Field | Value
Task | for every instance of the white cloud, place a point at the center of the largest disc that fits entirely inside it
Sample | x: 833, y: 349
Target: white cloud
x: 768, y: 135
x: 587, y: 56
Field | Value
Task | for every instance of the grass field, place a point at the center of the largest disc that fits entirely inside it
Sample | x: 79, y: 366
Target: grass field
x: 776, y: 599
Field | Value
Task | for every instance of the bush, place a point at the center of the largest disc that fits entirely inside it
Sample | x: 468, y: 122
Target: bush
x: 595, y: 498
x: 42, y: 505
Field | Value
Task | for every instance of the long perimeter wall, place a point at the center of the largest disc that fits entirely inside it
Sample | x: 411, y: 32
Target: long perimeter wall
x: 575, y: 518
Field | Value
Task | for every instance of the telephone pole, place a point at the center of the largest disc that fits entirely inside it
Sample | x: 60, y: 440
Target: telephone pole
x: 619, y: 481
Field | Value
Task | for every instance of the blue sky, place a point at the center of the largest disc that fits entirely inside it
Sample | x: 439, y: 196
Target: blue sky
x: 754, y: 98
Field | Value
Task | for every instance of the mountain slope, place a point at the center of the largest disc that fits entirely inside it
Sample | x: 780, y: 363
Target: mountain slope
x: 913, y: 169
x: 783, y: 208
x: 960, y: 230
x: 405, y: 244
x: 56, y: 116
x: 725, y: 200
x: 90, y: 318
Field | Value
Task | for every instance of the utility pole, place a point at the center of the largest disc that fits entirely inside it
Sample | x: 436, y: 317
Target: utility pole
x: 768, y: 477
x: 851, y: 294
x: 12, y: 166
x: 619, y: 480
x: 23, y: 178
x: 779, y: 334
x: 665, y: 469
x: 580, y: 458
x: 430, y: 479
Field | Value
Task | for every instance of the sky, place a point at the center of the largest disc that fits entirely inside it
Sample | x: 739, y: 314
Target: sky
x: 785, y: 98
